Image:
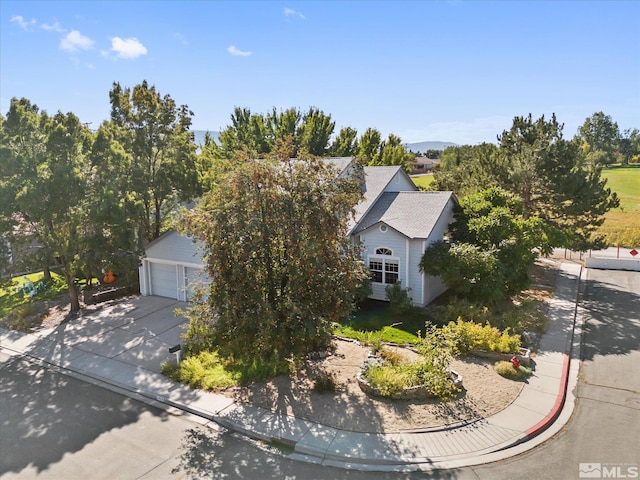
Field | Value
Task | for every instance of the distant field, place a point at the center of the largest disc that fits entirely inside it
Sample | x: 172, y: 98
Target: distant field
x: 423, y: 180
x: 622, y: 225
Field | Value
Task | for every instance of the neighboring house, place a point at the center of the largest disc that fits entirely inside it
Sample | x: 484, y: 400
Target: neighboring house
x: 424, y: 165
x: 15, y: 252
x: 395, y: 224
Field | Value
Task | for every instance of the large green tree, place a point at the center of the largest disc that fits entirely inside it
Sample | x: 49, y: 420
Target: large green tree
x: 22, y: 150
x: 345, y: 144
x: 281, y: 267
x: 553, y: 180
x: 249, y: 133
x: 547, y: 172
x: 111, y: 242
x: 315, y: 132
x: 369, y: 146
x: 43, y: 186
x: 392, y: 152
x: 630, y: 146
x: 466, y: 169
x: 492, y: 247
x: 257, y: 134
x: 599, y: 137
x: 154, y: 131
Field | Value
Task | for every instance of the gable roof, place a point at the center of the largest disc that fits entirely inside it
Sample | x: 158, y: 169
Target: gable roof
x: 377, y: 179
x: 414, y: 214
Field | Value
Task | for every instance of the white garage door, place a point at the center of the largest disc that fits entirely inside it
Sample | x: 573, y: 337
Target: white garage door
x: 195, y: 278
x: 164, y: 280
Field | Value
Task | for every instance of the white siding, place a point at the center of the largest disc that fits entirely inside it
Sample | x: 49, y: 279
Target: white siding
x: 415, y: 277
x: 169, y: 267
x: 433, y: 286
x: 424, y: 288
x: 175, y: 248
x: 400, y: 183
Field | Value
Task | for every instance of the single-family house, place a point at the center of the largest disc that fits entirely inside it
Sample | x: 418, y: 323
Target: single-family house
x: 395, y: 223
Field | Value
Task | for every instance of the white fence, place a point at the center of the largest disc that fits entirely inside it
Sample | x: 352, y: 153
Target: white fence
x: 608, y: 263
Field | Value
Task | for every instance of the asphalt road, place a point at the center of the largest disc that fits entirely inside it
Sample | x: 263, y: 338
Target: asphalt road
x: 605, y: 426
x: 55, y: 426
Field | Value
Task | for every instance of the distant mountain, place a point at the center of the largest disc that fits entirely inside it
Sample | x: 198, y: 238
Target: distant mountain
x: 424, y: 146
x: 199, y: 136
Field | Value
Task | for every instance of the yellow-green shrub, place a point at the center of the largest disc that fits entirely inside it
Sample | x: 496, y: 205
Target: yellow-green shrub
x: 506, y: 370
x: 206, y: 371
x: 473, y: 336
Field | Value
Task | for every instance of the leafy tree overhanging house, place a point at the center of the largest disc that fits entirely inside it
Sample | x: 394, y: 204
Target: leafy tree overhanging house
x: 395, y: 223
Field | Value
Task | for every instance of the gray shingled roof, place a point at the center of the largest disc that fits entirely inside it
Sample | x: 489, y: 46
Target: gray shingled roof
x: 341, y: 163
x: 413, y: 214
x: 376, y: 180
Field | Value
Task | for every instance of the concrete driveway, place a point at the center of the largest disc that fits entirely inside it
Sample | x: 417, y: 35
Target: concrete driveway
x: 136, y: 331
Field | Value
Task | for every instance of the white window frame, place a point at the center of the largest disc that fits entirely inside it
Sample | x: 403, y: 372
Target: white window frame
x: 385, y: 258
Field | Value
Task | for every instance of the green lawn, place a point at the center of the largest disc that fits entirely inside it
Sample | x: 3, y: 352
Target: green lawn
x: 622, y: 225
x: 423, y: 180
x: 625, y: 181
x: 11, y: 298
x: 376, y: 319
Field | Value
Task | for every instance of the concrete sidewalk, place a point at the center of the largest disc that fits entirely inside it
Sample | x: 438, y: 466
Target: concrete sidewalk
x: 122, y: 347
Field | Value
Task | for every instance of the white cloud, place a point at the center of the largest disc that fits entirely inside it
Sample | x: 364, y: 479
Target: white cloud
x: 53, y: 28
x: 238, y: 53
x: 74, y: 41
x: 22, y: 23
x: 290, y: 12
x: 128, y: 47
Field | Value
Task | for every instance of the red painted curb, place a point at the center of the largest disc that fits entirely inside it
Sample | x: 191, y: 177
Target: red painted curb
x: 557, y: 407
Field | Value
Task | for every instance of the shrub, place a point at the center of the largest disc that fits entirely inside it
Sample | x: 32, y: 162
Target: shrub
x: 325, y: 382
x: 528, y: 316
x: 391, y: 357
x: 429, y: 371
x: 206, y: 371
x: 506, y: 370
x: 389, y: 380
x: 459, y: 308
x: 399, y: 299
x: 472, y: 336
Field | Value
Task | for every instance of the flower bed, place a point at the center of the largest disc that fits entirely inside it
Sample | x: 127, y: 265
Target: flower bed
x: 417, y: 392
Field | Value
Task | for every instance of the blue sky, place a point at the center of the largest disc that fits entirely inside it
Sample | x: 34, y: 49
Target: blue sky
x: 454, y: 71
